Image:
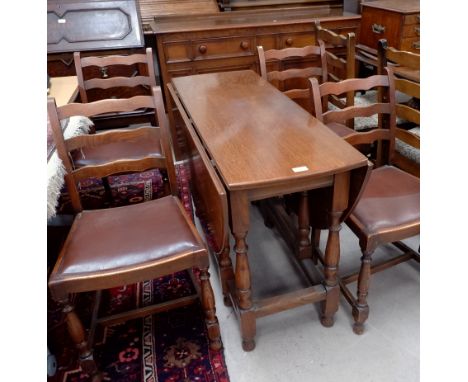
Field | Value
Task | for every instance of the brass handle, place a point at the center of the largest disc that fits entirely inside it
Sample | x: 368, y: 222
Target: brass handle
x: 244, y: 45
x: 416, y: 30
x: 377, y: 28
x: 416, y: 44
x: 202, y: 49
x: 104, y: 73
x: 418, y: 17
x: 289, y: 41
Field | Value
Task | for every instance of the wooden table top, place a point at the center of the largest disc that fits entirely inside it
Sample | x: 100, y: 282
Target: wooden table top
x: 63, y: 89
x: 258, y: 136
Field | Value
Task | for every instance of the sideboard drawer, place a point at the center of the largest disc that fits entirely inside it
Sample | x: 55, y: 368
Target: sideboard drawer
x: 223, y: 47
x: 410, y: 30
x: 411, y: 44
x: 412, y: 19
x: 297, y: 40
x: 177, y: 51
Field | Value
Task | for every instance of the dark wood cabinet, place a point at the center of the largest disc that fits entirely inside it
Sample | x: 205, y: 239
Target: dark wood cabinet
x: 92, y: 27
x: 397, y: 21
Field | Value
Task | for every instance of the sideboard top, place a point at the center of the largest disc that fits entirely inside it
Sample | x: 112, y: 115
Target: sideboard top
x: 401, y: 6
x: 245, y: 19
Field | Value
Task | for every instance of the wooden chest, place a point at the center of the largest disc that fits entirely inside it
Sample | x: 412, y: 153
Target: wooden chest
x: 395, y: 20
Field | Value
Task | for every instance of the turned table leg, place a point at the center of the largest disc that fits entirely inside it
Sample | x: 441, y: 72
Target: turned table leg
x: 332, y: 250
x: 226, y: 271
x: 240, y: 225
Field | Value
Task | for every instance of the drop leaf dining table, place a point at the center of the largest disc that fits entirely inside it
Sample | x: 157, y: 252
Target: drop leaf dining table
x: 252, y: 142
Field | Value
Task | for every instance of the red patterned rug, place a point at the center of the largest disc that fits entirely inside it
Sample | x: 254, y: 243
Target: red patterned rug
x: 165, y: 347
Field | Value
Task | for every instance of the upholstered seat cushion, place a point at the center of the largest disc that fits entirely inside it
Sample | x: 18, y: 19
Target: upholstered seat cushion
x: 389, y: 203
x: 128, y: 149
x: 128, y: 244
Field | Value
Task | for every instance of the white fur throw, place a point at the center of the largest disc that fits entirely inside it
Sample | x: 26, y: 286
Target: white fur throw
x: 73, y: 126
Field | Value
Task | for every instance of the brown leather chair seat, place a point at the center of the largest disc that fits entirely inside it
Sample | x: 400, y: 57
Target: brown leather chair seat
x: 99, y: 245
x: 390, y: 201
x: 129, y: 149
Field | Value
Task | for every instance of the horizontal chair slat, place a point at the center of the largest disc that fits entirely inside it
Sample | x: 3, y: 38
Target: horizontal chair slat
x: 281, y: 54
x: 294, y: 73
x: 297, y: 93
x: 353, y: 84
x: 107, y: 83
x: 407, y: 113
x: 355, y: 111
x: 407, y: 137
x: 404, y: 58
x: 125, y: 135
x: 114, y: 60
x: 105, y: 106
x: 367, y: 137
x: 410, y: 88
x: 119, y: 166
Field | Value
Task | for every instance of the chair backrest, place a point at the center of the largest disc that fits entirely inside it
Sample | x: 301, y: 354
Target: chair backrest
x: 292, y: 68
x: 384, y: 134
x: 118, y: 165
x: 403, y: 67
x: 338, y: 68
x: 405, y: 64
x: 141, y: 67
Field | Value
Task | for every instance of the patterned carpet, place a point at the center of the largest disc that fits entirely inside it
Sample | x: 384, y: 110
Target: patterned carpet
x: 165, y: 347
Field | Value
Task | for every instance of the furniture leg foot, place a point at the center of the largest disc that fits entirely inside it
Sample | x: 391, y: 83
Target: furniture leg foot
x: 248, y: 345
x: 358, y: 328
x: 328, y: 322
x: 360, y: 314
x: 268, y: 223
x: 227, y: 301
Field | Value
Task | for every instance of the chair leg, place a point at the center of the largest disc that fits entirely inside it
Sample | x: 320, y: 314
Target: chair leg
x: 361, y: 308
x: 208, y: 303
x: 303, y: 236
x: 77, y: 334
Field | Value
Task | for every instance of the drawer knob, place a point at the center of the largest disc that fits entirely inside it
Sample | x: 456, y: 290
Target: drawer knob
x: 416, y: 29
x: 289, y: 41
x: 202, y: 49
x: 104, y: 73
x: 377, y: 28
x: 244, y: 45
x: 417, y: 45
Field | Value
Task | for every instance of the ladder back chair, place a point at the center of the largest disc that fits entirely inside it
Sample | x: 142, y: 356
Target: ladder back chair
x: 388, y: 207
x: 112, y: 247
x: 288, y: 70
x: 107, y: 76
x: 338, y: 68
x: 406, y: 67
